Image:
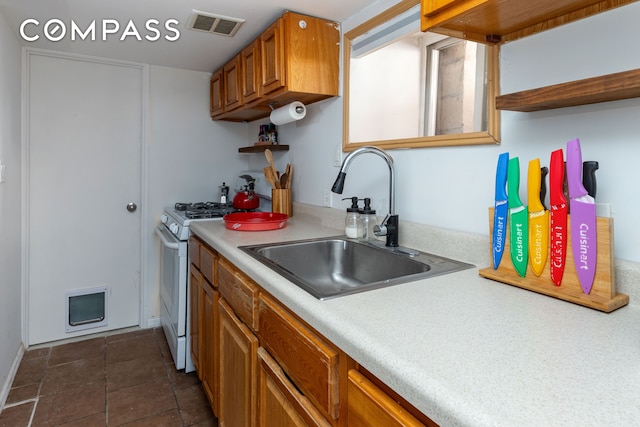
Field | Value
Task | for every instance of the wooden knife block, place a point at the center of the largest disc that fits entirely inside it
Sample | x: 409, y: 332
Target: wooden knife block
x: 603, y: 294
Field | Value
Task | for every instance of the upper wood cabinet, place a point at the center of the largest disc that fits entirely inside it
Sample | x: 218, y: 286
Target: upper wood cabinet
x: 216, y: 106
x: 272, y: 60
x: 496, y: 21
x: 232, y: 82
x: 250, y: 65
x: 295, y: 59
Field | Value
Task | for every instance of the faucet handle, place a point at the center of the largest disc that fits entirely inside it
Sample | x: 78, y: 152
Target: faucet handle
x: 381, y: 230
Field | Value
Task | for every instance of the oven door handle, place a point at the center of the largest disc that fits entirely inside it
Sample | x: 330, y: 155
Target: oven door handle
x: 171, y: 244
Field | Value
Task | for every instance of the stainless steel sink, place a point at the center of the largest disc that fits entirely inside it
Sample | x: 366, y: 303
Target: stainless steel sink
x: 336, y: 266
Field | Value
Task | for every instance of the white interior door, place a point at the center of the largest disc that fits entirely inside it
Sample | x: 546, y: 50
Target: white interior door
x: 85, y: 128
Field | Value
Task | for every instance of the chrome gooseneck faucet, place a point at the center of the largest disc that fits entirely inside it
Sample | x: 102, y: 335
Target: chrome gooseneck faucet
x: 389, y: 226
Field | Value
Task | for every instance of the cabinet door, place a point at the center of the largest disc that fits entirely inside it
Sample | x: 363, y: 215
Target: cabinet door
x: 209, y: 352
x: 279, y: 402
x: 272, y: 57
x: 195, y: 279
x: 232, y: 84
x: 216, y: 88
x: 238, y: 370
x: 369, y: 406
x: 250, y: 59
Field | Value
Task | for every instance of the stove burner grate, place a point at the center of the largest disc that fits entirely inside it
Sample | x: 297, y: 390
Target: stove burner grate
x: 203, y: 210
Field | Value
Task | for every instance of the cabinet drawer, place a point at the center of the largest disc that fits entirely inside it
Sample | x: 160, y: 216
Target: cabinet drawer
x: 208, y: 264
x: 193, y: 251
x: 310, y: 362
x: 368, y: 405
x: 279, y: 402
x: 239, y: 292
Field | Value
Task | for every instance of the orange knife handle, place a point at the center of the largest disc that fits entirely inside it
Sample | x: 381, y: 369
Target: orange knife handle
x: 534, y: 177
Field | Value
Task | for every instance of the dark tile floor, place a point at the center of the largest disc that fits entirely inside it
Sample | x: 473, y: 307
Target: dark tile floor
x: 126, y: 379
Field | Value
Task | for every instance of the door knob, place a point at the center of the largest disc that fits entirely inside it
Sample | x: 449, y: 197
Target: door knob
x: 131, y: 207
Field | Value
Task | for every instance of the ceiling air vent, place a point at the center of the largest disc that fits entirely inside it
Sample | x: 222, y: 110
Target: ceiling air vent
x: 212, y: 23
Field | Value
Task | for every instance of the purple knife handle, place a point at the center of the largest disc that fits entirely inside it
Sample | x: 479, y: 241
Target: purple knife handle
x: 574, y: 169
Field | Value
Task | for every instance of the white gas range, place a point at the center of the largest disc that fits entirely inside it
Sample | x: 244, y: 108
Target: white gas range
x: 174, y: 275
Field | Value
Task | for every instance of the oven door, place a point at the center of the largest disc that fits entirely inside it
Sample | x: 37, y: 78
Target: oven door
x: 173, y: 293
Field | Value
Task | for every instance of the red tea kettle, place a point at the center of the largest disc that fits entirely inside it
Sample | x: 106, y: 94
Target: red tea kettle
x: 247, y: 199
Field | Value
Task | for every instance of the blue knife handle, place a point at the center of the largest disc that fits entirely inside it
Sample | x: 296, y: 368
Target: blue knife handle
x: 501, y: 176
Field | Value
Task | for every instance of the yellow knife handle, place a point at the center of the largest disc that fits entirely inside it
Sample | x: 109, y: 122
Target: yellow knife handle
x: 533, y: 186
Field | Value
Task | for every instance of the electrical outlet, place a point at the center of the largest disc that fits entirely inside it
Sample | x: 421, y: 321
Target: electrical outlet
x: 327, y: 200
x: 337, y: 156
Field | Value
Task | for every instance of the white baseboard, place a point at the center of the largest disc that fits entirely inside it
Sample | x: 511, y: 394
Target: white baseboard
x: 6, y: 387
x: 154, y: 322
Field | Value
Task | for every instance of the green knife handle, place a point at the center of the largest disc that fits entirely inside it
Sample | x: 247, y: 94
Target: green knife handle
x: 513, y: 183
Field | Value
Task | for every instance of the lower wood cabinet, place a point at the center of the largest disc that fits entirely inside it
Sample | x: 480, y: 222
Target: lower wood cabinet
x: 203, y: 300
x: 311, y: 362
x: 280, y: 403
x: 195, y: 286
x: 209, y: 352
x: 238, y: 370
x: 262, y: 366
x: 369, y: 406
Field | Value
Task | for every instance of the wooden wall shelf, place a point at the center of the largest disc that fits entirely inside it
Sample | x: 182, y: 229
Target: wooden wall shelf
x: 261, y: 148
x: 501, y: 21
x: 610, y: 87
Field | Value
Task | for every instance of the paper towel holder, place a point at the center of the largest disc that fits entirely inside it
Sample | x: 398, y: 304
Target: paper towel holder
x: 299, y: 108
x: 289, y: 113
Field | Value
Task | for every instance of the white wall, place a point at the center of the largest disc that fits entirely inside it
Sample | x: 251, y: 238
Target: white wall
x: 189, y: 155
x: 453, y: 187
x: 10, y: 204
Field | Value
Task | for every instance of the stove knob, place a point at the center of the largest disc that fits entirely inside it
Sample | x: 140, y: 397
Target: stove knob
x: 174, y: 228
x: 164, y: 218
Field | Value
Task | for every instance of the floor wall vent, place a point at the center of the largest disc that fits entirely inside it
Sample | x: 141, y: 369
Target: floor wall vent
x: 213, y: 23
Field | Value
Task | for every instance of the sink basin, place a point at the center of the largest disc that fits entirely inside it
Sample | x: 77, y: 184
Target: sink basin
x: 336, y: 266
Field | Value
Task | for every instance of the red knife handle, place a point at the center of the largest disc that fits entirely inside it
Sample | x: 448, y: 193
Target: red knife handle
x: 556, y: 178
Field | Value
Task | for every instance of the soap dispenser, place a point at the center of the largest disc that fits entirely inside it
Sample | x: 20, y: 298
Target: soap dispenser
x: 368, y: 220
x: 352, y: 220
x: 224, y: 193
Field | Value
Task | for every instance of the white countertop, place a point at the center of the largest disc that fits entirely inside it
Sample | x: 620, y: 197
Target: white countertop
x: 466, y: 350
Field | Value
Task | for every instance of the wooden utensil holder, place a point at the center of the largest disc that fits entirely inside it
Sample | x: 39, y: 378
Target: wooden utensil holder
x: 603, y: 296
x: 281, y: 201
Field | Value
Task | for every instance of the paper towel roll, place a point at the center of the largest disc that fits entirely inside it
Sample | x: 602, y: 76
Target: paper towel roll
x: 289, y: 113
